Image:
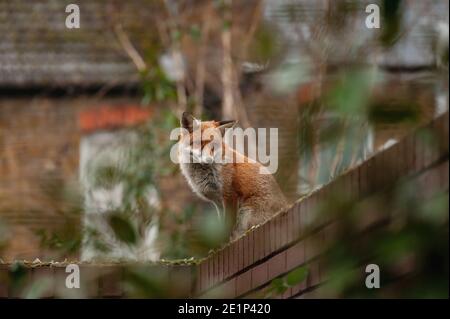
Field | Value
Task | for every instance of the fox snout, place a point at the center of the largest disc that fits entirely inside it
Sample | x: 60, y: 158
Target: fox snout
x: 192, y: 155
x: 202, y: 142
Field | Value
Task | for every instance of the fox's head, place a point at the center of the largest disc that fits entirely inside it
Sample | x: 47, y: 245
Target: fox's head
x: 202, y: 141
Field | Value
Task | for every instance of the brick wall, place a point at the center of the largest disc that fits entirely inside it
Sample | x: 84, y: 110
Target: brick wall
x: 39, y: 157
x: 247, y: 266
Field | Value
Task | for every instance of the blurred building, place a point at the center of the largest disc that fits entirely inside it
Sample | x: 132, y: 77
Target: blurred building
x: 57, y: 86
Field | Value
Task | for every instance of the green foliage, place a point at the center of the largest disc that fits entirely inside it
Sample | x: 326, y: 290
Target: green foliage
x: 392, y: 21
x: 297, y: 276
x: 155, y: 85
x: 123, y: 229
x: 142, y: 283
x: 212, y: 231
x: 409, y: 243
x: 17, y: 277
x: 394, y: 112
x: 350, y: 95
x: 279, y: 285
x: 67, y: 239
x: 265, y: 45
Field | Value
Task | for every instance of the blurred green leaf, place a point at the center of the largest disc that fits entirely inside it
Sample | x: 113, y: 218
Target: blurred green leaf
x: 278, y: 286
x: 392, y: 20
x: 212, y: 231
x: 123, y: 229
x: 195, y: 32
x: 38, y: 288
x: 297, y: 276
x: 351, y: 94
x: 394, y: 112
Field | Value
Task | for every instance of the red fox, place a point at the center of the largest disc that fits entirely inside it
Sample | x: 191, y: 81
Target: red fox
x: 237, y: 189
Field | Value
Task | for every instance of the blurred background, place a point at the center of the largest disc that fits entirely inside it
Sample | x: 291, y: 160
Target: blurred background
x: 73, y: 101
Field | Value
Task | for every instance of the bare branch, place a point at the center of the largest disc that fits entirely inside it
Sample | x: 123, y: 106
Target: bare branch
x: 129, y: 48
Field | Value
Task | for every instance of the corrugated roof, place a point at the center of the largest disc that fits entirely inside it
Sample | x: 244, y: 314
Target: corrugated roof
x: 36, y: 48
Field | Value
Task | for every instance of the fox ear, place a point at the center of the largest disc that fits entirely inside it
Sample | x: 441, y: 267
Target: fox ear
x: 187, y: 121
x: 223, y: 125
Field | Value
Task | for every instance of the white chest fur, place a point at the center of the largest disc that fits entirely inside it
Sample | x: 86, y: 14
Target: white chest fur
x: 204, y: 179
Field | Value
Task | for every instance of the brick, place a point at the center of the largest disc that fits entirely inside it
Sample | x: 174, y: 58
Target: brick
x: 295, y: 256
x: 197, y: 281
x: 210, y: 263
x: 220, y: 265
x: 395, y: 159
x: 246, y: 250
x: 243, y: 283
x: 205, y: 275
x: 363, y: 185
x: 260, y: 275
x: 111, y: 282
x: 267, y: 239
x: 296, y: 226
x: 215, y: 269
x: 400, y: 161
x: 286, y: 294
x: 61, y: 291
x: 313, y: 274
x: 228, y: 263
x: 330, y: 234
x: 304, y: 218
x: 4, y: 281
x: 298, y: 219
x: 402, y: 158
x: 354, y: 184
x: 380, y: 171
x: 419, y: 151
x: 433, y: 151
x: 198, y: 278
x: 388, y: 176
x: 277, y: 225
x: 180, y: 281
x: 371, y: 175
x: 373, y: 172
x: 445, y: 133
x: 226, y: 256
x: 346, y: 181
x: 272, y: 235
x: 251, y: 248
x: 322, y: 200
x: 310, y: 294
x: 210, y: 269
x: 410, y: 154
x: 18, y: 287
x: 227, y: 290
x: 313, y: 245
x: 429, y: 183
x: 276, y: 265
x: 258, y: 243
x: 444, y: 175
x: 298, y: 288
x: 234, y: 259
x: 90, y: 279
x: 257, y: 294
x: 290, y: 233
x: 45, y: 275
x: 240, y: 254
x: 313, y: 214
x: 284, y: 229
